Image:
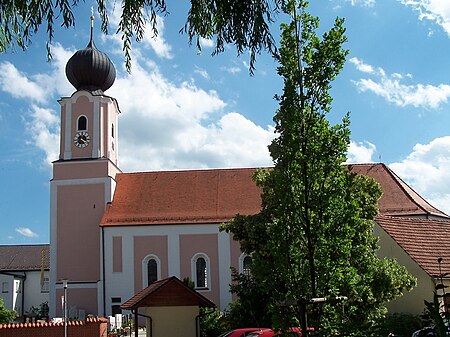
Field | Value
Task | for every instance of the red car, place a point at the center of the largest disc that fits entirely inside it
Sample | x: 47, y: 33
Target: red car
x: 244, y: 332
x: 294, y: 332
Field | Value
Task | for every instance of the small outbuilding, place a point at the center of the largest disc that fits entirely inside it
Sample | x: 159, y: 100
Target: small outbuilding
x: 171, y: 308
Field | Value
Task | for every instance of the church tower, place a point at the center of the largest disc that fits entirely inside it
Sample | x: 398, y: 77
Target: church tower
x: 83, y: 182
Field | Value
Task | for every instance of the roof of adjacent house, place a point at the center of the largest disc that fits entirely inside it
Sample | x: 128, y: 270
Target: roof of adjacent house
x: 424, y: 240
x: 24, y: 257
x: 398, y: 198
x: 167, y: 292
x: 215, y: 196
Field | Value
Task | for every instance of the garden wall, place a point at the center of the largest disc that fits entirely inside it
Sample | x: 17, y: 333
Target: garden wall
x: 92, y: 327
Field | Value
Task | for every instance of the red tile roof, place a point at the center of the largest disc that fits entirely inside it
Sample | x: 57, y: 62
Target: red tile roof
x: 23, y: 257
x: 182, y: 197
x: 167, y: 292
x: 423, y: 240
x: 398, y: 198
x: 215, y: 196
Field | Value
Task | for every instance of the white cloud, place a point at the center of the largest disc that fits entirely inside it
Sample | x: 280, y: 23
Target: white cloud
x: 427, y: 170
x: 43, y: 129
x: 360, y: 152
x: 232, y: 70
x: 26, y: 232
x: 157, y: 42
x: 19, y: 85
x: 38, y: 87
x: 206, y: 43
x: 202, y: 72
x: 165, y: 125
x: 361, y: 66
x: 365, y: 3
x: 437, y: 11
x: 393, y: 90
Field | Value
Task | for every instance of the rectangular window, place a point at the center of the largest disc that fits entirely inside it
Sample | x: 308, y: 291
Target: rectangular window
x: 4, y: 287
x: 116, y: 299
x: 115, y: 310
x: 45, y: 285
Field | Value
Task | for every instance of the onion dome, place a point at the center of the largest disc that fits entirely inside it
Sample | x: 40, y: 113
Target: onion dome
x: 90, y: 69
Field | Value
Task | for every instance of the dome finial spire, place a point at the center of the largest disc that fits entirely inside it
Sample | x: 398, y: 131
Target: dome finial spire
x: 92, y: 25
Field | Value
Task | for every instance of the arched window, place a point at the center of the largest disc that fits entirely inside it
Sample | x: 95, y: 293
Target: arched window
x: 247, y: 265
x: 152, y: 271
x: 82, y: 123
x: 200, y: 271
x: 112, y: 130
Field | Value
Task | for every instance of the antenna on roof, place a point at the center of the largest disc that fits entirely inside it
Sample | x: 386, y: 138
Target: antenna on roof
x: 379, y: 158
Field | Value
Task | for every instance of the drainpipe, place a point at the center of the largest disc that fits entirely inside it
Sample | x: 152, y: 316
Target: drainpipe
x: 136, y: 314
x: 103, y: 272
x: 23, y: 292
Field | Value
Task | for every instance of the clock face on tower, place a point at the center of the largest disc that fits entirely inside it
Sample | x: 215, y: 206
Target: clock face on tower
x: 81, y: 139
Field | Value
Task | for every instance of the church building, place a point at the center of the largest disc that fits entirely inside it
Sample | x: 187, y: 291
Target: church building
x: 113, y: 233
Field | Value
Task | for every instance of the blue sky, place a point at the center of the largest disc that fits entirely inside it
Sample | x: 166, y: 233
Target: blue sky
x: 182, y: 109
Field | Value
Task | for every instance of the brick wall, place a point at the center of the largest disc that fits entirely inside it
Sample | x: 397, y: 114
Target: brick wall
x: 92, y: 327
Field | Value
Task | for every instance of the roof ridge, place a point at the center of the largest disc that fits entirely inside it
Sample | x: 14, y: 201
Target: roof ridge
x: 193, y: 170
x: 411, y: 219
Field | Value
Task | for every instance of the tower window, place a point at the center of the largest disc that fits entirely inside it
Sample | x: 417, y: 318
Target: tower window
x: 112, y: 130
x: 82, y: 123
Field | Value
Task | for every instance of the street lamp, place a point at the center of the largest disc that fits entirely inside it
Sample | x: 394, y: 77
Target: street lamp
x: 65, y: 281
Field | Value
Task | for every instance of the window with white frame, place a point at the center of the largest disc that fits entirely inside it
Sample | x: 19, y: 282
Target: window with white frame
x: 201, y: 271
x: 245, y: 264
x: 17, y: 286
x: 151, y: 270
x: 45, y: 285
x: 5, y: 286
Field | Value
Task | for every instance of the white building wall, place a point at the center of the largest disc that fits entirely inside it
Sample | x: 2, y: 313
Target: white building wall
x: 33, y: 296
x: 6, y: 288
x: 122, y: 284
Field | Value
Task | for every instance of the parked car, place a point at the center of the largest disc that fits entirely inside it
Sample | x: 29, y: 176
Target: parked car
x: 294, y: 332
x: 244, y: 332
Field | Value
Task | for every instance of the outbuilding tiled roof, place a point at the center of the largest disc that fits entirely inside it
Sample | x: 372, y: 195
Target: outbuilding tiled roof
x: 215, y: 196
x: 23, y: 257
x: 167, y: 292
x: 423, y: 240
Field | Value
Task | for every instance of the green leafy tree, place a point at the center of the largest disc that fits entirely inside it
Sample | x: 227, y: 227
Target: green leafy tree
x: 313, y: 237
x: 251, y: 308
x: 6, y: 316
x: 243, y: 23
x: 211, y: 322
